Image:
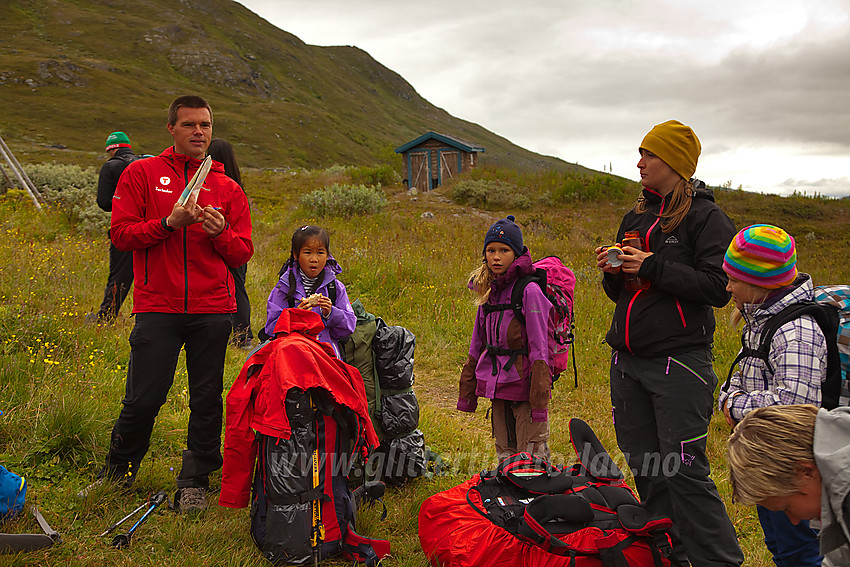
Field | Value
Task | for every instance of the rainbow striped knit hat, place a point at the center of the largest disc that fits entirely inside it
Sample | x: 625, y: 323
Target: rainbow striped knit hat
x: 762, y: 255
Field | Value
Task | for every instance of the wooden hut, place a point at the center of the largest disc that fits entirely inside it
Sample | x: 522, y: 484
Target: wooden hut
x: 432, y: 158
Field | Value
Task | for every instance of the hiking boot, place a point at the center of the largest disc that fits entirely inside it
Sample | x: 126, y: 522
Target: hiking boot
x: 91, y: 488
x: 191, y: 499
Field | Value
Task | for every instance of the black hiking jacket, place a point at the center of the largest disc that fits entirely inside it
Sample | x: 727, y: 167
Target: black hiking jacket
x: 687, y: 279
x: 109, y: 174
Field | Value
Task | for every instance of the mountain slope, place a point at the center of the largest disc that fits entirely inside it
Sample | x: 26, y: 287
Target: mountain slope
x: 72, y: 71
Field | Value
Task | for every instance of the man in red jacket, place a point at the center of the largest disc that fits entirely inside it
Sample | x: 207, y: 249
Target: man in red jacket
x: 183, y: 297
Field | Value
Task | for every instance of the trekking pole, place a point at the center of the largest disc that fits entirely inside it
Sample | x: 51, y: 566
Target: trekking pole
x: 111, y: 528
x: 123, y: 540
x: 318, y: 532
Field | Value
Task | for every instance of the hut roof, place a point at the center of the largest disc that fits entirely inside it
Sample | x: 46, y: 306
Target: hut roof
x: 445, y: 138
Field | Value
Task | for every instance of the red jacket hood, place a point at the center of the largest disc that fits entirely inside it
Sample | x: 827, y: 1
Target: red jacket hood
x: 302, y: 321
x: 179, y: 160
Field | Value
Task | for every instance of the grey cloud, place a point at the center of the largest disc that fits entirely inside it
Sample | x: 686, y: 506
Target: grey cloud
x: 785, y: 93
x: 826, y: 184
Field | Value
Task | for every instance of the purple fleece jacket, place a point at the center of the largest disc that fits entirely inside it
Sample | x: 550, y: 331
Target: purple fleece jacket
x: 524, y: 380
x: 338, y: 324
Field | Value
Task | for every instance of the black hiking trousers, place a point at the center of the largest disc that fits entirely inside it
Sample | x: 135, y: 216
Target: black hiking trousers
x: 662, y: 408
x: 242, y: 318
x: 118, y: 284
x: 155, y: 344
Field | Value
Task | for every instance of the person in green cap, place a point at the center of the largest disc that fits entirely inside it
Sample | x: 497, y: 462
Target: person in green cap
x: 120, y: 263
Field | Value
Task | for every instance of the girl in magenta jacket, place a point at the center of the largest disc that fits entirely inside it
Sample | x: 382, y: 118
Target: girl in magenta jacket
x: 509, y: 362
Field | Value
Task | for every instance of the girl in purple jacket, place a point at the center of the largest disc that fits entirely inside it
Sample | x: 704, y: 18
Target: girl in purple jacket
x: 509, y: 362
x: 308, y: 281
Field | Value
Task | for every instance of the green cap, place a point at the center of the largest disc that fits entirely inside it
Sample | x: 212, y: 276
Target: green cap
x: 117, y: 140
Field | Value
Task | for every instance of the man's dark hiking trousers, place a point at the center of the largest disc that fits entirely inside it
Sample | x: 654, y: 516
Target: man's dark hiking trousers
x: 118, y: 284
x: 242, y: 317
x: 155, y: 344
x: 662, y: 408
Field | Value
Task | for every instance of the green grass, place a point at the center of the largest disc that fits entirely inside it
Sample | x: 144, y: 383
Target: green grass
x: 61, y: 381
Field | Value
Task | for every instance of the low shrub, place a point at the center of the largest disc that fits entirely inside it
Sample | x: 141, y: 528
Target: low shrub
x: 547, y: 187
x: 14, y: 197
x: 73, y: 190
x: 345, y: 200
x: 491, y: 194
x: 336, y: 169
x: 382, y: 175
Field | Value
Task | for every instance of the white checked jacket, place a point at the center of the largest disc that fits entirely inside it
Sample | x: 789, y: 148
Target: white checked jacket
x: 797, y: 354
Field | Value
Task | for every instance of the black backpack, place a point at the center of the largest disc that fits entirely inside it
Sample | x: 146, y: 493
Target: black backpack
x: 127, y: 158
x: 303, y: 509
x: 384, y: 356
x: 831, y: 311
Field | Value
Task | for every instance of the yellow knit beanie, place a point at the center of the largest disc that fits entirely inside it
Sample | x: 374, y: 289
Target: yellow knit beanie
x: 676, y: 144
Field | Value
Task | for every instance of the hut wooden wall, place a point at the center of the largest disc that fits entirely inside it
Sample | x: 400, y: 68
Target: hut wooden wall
x: 433, y: 162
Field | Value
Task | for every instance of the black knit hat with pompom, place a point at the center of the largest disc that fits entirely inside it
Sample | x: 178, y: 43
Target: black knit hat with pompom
x: 506, y: 231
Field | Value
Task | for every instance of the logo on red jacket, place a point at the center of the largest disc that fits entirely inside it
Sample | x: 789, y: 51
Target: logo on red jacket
x: 164, y: 181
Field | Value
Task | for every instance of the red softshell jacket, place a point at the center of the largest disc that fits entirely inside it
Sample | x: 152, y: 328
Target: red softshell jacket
x: 295, y: 358
x: 184, y: 271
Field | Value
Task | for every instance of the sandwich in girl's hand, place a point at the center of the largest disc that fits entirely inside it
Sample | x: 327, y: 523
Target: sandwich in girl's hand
x: 308, y: 280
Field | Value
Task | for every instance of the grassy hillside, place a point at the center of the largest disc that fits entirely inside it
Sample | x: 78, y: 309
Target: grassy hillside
x: 74, y: 70
x: 61, y: 381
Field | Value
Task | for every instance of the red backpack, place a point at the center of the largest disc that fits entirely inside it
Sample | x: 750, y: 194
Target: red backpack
x: 529, y: 513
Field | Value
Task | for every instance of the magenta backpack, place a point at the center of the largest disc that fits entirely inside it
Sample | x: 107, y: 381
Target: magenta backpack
x: 558, y: 284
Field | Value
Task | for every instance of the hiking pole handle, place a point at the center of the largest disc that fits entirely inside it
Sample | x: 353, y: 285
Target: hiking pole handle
x: 111, y: 528
x: 155, y: 501
x: 159, y: 498
x: 123, y: 540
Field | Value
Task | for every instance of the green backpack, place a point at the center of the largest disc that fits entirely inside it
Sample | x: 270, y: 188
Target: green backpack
x: 357, y: 351
x: 384, y: 356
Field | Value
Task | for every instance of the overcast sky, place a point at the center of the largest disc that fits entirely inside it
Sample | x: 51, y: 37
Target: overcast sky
x: 765, y: 84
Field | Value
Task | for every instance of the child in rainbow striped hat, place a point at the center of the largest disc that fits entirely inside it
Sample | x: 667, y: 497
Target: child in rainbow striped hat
x: 761, y: 263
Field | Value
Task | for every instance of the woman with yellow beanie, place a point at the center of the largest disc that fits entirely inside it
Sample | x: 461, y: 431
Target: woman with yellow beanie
x: 665, y: 283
